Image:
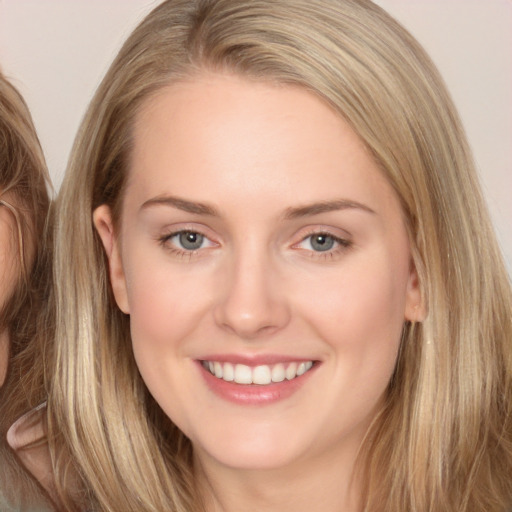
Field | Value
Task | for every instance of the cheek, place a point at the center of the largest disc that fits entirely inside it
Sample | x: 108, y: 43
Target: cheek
x: 165, y: 306
x: 165, y: 309
x: 359, y: 312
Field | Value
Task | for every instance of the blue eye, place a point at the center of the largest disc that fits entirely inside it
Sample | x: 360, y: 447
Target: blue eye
x: 323, y: 242
x: 186, y: 241
x: 189, y: 240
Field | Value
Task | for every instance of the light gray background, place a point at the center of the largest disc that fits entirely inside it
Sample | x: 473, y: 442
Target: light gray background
x: 56, y: 51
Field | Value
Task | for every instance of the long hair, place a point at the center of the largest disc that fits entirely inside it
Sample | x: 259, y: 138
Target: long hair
x: 444, y: 438
x: 24, y: 191
x: 23, y: 176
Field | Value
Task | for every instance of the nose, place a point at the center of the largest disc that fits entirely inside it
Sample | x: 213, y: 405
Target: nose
x: 253, y: 301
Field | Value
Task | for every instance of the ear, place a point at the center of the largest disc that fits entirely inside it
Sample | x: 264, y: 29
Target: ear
x: 102, y: 218
x: 415, y: 310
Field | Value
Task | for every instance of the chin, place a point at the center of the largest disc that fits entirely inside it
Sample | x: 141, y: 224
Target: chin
x: 251, y: 451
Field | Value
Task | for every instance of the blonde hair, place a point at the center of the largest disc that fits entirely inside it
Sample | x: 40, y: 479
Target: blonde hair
x: 444, y: 438
x: 23, y: 175
x: 24, y: 178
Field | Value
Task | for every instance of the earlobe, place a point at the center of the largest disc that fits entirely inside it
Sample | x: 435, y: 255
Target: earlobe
x: 415, y: 310
x: 102, y: 218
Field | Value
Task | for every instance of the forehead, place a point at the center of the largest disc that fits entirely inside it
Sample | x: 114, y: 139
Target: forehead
x: 248, y: 137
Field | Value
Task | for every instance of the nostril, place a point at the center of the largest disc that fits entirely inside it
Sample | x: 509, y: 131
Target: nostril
x: 248, y: 330
x: 250, y: 304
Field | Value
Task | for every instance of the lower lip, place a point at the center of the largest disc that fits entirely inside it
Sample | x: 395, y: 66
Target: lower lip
x: 254, y: 394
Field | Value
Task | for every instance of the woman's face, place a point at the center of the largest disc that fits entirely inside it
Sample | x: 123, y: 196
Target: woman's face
x: 264, y: 263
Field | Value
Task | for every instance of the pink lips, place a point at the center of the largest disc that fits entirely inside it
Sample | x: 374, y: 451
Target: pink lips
x: 253, y: 394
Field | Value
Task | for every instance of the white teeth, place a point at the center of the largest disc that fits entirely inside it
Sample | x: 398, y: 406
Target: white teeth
x: 243, y: 374
x: 218, y: 369
x: 304, y: 367
x: 261, y: 375
x: 278, y: 373
x: 301, y: 369
x: 229, y: 372
x: 291, y: 371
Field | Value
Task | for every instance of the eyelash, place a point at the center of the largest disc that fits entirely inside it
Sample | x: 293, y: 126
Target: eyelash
x: 164, y: 241
x: 342, y: 244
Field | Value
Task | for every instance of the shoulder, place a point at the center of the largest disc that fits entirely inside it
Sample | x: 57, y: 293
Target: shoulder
x: 27, y: 438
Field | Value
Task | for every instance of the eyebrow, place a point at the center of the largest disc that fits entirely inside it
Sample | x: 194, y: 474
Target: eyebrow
x: 325, y: 207
x: 181, y: 204
x: 290, y: 213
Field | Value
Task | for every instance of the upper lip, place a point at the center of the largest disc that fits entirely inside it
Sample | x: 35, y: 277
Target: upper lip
x: 255, y: 359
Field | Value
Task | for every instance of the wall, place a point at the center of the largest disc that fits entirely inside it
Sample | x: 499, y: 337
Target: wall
x: 56, y: 52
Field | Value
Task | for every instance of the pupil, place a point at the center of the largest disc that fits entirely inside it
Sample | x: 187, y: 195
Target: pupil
x: 191, y: 241
x: 322, y: 242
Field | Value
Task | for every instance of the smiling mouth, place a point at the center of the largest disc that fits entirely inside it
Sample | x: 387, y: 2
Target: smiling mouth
x: 261, y: 375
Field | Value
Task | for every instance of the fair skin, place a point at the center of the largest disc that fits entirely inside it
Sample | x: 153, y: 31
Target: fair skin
x: 257, y: 231
x: 8, y: 274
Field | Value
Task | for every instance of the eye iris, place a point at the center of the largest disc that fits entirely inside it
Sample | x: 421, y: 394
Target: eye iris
x: 322, y: 242
x: 190, y: 240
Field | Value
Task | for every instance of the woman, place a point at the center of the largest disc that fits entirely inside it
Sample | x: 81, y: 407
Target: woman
x: 276, y: 282
x: 24, y: 206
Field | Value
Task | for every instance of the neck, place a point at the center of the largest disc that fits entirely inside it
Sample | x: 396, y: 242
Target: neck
x: 4, y: 354
x: 324, y: 484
